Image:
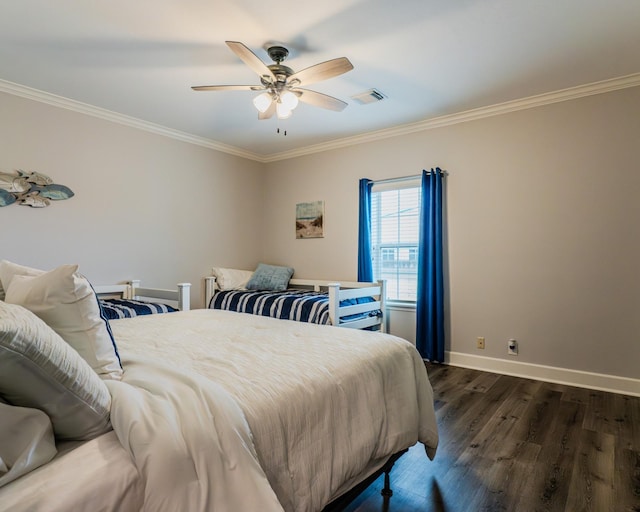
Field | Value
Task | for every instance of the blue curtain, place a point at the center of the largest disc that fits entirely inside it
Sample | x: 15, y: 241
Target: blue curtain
x: 365, y: 267
x: 430, y: 301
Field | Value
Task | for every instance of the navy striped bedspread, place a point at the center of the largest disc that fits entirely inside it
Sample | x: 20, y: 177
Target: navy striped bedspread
x: 114, y: 309
x: 301, y: 306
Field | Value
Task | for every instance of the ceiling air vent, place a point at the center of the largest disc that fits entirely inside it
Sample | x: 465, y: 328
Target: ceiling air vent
x: 370, y: 96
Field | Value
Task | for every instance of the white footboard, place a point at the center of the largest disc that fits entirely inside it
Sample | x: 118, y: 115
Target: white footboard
x: 339, y: 292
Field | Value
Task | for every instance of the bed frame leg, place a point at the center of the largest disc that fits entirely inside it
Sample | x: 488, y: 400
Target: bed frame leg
x: 386, y: 491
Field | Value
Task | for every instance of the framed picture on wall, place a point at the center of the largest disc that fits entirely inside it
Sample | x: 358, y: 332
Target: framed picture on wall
x: 310, y: 220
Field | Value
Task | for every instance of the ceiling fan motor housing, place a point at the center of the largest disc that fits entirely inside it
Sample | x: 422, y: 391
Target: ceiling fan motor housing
x: 277, y: 53
x: 280, y: 72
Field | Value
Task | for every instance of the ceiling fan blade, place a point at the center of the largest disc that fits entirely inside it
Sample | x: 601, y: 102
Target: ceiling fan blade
x: 228, y: 88
x: 268, y: 114
x: 251, y: 59
x: 318, y: 99
x: 322, y: 71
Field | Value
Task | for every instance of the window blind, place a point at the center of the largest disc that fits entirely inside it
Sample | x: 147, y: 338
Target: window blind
x: 395, y: 222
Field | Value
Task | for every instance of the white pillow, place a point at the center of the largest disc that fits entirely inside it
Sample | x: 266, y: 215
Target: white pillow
x: 8, y: 270
x: 39, y: 370
x: 231, y: 278
x: 67, y: 303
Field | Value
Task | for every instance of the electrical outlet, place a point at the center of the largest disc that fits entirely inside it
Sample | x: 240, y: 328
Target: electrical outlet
x: 480, y: 342
x: 512, y: 347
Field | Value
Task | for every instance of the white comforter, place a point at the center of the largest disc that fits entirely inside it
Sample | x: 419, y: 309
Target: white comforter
x: 189, y: 441
x: 324, y: 407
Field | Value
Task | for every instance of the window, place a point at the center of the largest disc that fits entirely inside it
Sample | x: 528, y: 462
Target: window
x: 395, y: 223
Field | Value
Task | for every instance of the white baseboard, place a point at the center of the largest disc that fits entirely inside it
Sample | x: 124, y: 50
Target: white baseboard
x: 599, y: 381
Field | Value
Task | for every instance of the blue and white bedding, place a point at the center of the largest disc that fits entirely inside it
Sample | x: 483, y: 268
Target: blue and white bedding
x: 298, y: 305
x: 114, y: 309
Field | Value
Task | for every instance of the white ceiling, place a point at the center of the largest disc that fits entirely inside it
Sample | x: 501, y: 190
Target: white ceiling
x: 432, y: 58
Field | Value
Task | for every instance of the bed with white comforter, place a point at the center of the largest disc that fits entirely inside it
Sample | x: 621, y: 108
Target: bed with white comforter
x: 224, y: 411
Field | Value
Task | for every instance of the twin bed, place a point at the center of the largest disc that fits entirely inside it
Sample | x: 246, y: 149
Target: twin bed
x: 356, y: 305
x: 130, y: 299
x: 220, y: 411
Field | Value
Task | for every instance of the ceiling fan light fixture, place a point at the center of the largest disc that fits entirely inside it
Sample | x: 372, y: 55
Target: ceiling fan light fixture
x: 289, y: 100
x: 282, y: 111
x: 262, y: 102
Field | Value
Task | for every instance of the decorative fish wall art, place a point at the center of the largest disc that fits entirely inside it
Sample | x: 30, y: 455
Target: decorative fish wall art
x: 30, y: 189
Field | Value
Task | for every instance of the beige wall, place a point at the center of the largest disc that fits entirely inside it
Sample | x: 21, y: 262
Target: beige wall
x: 146, y: 206
x: 543, y: 243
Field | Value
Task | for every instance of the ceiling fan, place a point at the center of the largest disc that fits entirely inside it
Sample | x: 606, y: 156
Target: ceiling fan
x: 281, y: 85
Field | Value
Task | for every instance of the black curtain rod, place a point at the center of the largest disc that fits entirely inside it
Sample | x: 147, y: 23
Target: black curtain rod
x: 406, y: 178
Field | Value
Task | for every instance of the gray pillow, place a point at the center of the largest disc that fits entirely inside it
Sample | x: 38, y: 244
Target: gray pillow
x: 38, y: 369
x: 270, y: 277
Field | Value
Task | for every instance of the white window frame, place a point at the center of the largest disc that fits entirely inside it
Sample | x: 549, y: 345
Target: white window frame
x: 378, y: 249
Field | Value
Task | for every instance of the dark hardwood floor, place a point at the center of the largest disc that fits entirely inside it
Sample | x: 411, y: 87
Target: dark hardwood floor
x: 511, y: 444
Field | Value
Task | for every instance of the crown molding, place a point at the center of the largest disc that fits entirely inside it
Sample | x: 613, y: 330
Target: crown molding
x: 468, y: 115
x: 428, y: 124
x: 85, y: 108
